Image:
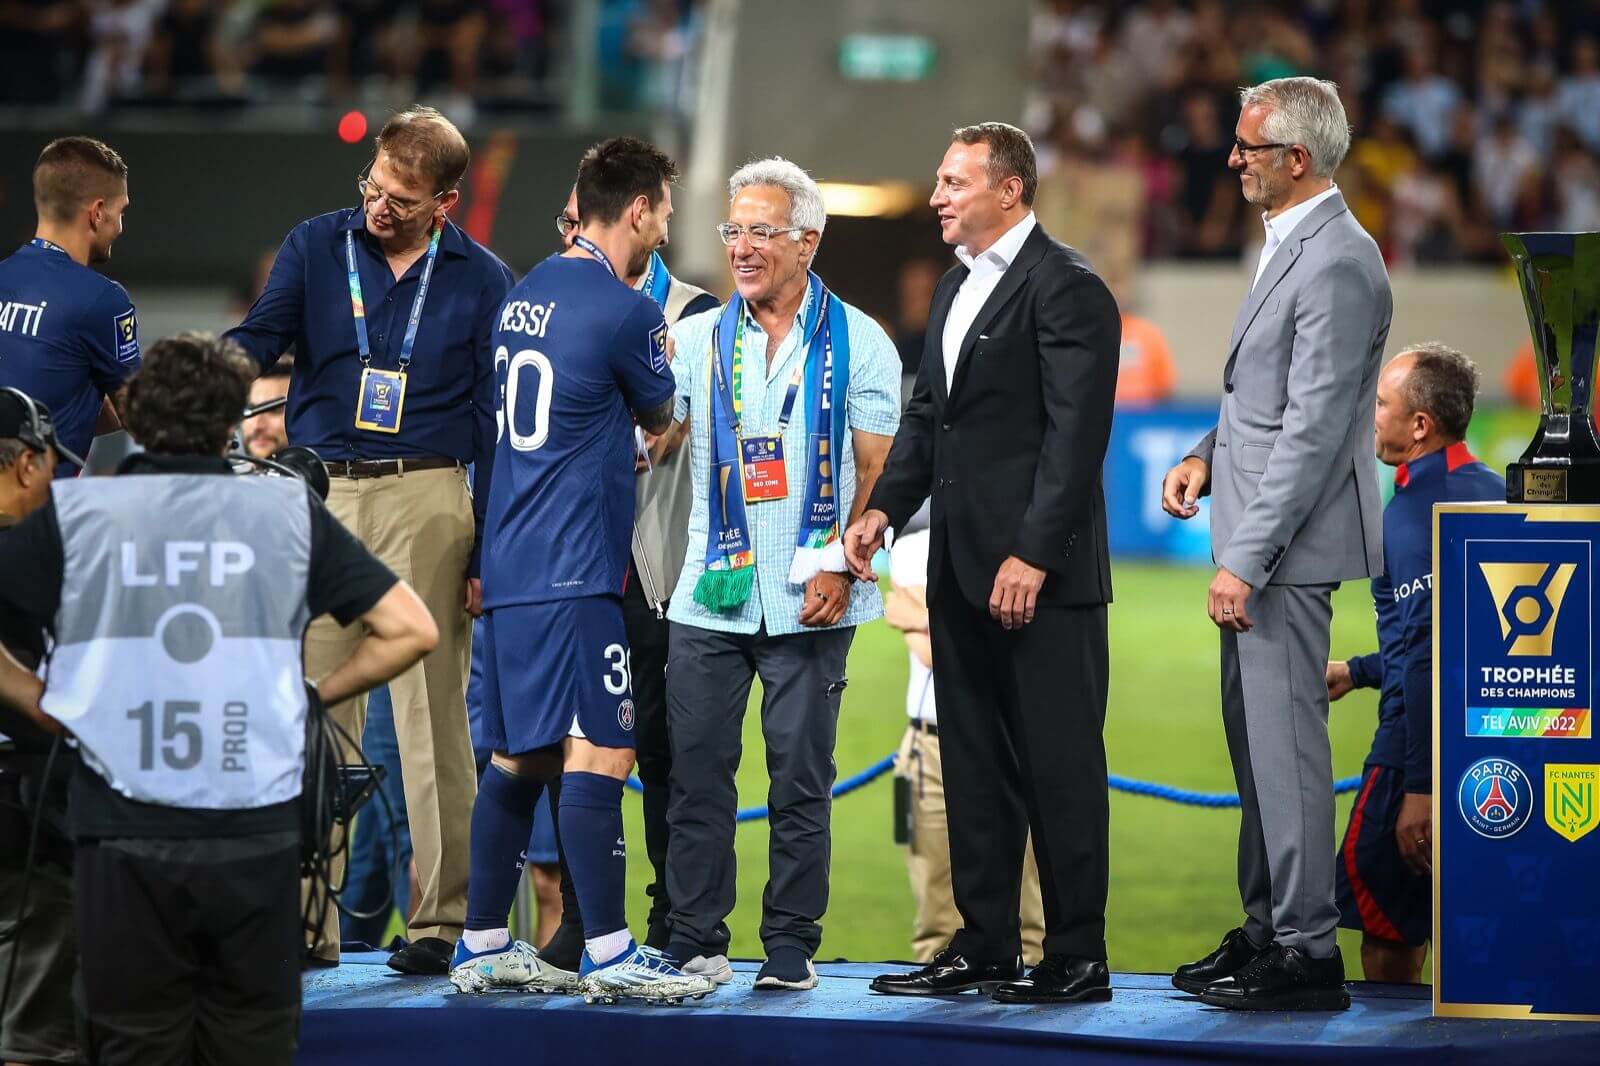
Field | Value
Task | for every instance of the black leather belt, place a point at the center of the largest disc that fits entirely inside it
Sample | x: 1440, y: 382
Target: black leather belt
x: 359, y: 468
x: 920, y: 726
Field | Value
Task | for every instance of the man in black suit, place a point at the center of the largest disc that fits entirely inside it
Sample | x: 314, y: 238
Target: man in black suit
x: 1007, y: 429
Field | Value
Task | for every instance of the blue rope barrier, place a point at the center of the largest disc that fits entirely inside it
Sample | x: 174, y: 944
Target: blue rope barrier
x: 1151, y: 789
x: 1156, y: 790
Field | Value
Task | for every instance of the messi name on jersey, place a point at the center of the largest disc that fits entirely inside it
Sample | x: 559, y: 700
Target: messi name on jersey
x: 520, y: 316
x: 1528, y: 620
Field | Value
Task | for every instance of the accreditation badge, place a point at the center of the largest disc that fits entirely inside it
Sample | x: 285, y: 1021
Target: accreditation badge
x: 764, y: 475
x: 383, y: 394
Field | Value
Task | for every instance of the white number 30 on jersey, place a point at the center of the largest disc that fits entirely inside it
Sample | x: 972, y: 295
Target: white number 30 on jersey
x: 525, y: 438
x: 619, y: 678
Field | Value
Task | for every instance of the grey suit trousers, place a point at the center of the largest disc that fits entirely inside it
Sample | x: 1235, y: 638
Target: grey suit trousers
x: 1275, y: 713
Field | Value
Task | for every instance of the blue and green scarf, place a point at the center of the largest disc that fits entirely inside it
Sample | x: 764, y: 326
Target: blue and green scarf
x: 730, y: 560
x: 657, y: 282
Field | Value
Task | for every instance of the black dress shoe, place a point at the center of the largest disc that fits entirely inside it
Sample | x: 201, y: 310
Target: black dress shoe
x: 1059, y: 979
x: 1282, y: 978
x: 1236, y: 950
x: 426, y: 956
x: 949, y: 972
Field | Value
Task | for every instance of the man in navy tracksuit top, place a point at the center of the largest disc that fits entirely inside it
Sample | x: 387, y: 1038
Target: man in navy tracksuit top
x: 1425, y: 399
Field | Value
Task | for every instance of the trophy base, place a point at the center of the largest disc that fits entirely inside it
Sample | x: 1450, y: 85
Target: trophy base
x: 1547, y: 483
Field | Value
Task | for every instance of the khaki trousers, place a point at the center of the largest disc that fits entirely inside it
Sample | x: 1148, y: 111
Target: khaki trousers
x: 928, y: 858
x: 420, y: 525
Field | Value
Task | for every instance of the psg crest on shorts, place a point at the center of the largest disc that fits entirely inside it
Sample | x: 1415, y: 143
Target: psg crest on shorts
x: 1496, y: 798
x: 625, y: 714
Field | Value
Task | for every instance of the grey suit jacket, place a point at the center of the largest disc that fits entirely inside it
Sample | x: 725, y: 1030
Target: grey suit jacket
x: 1294, y: 491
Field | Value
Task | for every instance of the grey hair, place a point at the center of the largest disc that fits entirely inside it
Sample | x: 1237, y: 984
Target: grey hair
x: 805, y: 199
x: 1444, y: 383
x: 1303, y: 111
x: 11, y: 449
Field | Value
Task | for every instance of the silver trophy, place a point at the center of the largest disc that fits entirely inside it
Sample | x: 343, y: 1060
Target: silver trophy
x: 1560, y: 278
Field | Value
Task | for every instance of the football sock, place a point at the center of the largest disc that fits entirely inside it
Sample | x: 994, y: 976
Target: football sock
x: 605, y: 948
x: 571, y: 912
x: 591, y: 833
x: 502, y: 820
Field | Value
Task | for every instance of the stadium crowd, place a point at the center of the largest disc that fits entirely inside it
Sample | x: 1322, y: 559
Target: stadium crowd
x: 1471, y: 118
x: 99, y: 54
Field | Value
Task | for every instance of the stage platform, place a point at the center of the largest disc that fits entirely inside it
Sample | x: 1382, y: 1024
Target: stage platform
x: 363, y: 1012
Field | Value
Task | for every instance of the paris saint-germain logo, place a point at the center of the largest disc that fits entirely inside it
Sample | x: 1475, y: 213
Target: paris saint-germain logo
x: 625, y: 714
x: 1496, y: 799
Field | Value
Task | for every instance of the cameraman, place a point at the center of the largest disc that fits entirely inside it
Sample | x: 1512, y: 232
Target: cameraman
x: 37, y: 969
x: 178, y: 597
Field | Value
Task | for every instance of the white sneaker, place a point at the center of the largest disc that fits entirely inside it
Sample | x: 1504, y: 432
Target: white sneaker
x: 713, y: 968
x: 515, y: 968
x: 641, y: 973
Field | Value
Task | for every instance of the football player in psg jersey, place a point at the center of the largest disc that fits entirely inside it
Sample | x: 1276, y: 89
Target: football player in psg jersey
x: 579, y: 357
x: 68, y: 335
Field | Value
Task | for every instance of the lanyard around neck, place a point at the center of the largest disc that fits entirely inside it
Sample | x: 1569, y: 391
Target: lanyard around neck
x: 732, y: 398
x: 594, y: 249
x: 358, y: 306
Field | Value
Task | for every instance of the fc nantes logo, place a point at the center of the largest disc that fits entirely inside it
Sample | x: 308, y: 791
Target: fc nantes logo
x: 1527, y: 597
x: 1570, y: 807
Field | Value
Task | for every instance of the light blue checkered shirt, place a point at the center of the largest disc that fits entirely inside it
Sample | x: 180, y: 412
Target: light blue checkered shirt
x: 872, y: 405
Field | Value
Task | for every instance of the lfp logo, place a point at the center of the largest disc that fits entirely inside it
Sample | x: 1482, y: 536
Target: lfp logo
x: 1528, y: 644
x: 1495, y: 797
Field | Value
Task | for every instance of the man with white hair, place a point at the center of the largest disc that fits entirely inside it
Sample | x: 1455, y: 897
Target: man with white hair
x: 1295, y: 510
x: 792, y: 398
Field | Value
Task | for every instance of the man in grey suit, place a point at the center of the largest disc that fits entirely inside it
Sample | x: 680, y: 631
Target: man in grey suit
x: 1295, y: 510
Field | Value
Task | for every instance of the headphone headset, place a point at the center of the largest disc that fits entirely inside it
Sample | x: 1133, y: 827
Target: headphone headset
x: 32, y: 433
x: 38, y: 433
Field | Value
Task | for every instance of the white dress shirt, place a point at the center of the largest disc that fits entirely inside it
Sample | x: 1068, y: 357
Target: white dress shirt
x: 1279, y: 228
x: 908, y: 568
x: 983, y: 274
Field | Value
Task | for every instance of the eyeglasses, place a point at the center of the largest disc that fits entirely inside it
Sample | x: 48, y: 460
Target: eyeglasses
x: 565, y: 224
x: 758, y: 235
x: 1245, y: 149
x: 400, y: 209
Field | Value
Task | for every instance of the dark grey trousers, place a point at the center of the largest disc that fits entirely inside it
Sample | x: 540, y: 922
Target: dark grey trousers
x: 708, y: 687
x: 1275, y: 714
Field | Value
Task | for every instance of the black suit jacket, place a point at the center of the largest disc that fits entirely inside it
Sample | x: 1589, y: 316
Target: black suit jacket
x: 1012, y: 453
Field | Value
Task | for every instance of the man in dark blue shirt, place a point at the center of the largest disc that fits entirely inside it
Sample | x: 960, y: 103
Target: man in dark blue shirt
x: 389, y: 307
x: 1425, y: 399
x: 68, y: 335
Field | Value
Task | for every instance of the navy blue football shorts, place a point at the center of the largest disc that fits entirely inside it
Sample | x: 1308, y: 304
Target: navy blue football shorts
x: 1376, y: 891
x: 554, y: 670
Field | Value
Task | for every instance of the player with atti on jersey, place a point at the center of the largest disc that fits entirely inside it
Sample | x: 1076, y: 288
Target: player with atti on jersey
x: 576, y: 350
x: 68, y: 334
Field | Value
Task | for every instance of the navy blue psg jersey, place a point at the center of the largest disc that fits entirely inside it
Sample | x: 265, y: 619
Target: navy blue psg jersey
x: 68, y: 337
x: 576, y: 351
